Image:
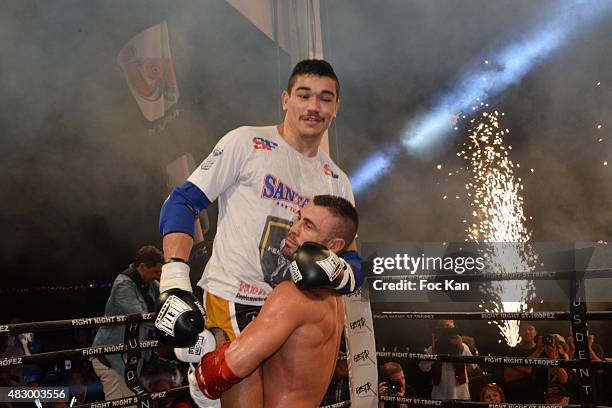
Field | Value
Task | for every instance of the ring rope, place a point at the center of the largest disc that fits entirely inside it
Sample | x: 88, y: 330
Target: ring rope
x: 117, y: 320
x: 423, y: 402
x: 474, y: 404
x: 496, y: 360
x: 340, y: 404
x: 124, y: 402
x: 75, y: 353
x: 599, y: 315
x: 490, y: 276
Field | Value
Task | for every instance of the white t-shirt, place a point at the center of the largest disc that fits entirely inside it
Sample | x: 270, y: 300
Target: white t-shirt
x: 261, y: 183
x: 448, y: 387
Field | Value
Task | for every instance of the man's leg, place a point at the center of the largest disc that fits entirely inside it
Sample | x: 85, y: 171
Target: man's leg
x: 113, y: 384
x: 226, y: 320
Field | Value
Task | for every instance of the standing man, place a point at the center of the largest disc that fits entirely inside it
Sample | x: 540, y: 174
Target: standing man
x: 263, y: 177
x: 134, y: 291
x: 450, y: 380
x: 524, y: 384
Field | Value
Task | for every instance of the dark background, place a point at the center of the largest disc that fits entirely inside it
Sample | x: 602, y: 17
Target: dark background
x: 82, y: 180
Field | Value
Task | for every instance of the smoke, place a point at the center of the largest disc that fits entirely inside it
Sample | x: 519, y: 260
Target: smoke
x: 82, y: 179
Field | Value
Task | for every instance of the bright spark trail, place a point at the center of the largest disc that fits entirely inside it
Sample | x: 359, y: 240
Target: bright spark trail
x: 505, y: 67
x: 494, y: 193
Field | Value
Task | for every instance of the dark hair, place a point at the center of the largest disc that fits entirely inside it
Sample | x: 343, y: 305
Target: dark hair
x: 344, y: 210
x: 316, y: 67
x: 148, y: 255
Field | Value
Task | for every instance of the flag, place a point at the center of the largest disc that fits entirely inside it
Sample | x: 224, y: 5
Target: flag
x: 147, y: 65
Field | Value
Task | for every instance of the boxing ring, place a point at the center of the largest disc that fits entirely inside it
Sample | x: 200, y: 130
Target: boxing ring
x: 577, y: 315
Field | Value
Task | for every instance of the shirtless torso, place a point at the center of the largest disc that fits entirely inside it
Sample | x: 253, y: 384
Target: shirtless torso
x: 296, y: 336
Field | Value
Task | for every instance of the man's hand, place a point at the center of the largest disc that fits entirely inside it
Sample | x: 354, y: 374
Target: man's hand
x: 383, y: 389
x: 180, y: 316
x: 315, y: 266
x: 551, y: 352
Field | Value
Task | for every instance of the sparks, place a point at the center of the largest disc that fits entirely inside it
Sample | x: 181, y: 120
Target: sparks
x: 499, y: 218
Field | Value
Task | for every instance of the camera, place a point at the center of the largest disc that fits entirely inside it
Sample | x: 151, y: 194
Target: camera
x: 446, y: 341
x: 549, y: 340
x: 394, y: 387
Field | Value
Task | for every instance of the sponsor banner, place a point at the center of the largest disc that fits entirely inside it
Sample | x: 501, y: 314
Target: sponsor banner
x: 361, y: 350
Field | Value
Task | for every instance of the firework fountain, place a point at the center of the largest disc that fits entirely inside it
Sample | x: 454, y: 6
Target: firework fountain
x: 498, y: 218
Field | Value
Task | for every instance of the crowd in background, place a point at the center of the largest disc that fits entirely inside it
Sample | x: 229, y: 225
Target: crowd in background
x: 493, y: 383
x: 486, y: 383
x: 161, y: 372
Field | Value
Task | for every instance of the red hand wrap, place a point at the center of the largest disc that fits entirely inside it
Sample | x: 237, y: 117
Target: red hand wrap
x: 213, y: 374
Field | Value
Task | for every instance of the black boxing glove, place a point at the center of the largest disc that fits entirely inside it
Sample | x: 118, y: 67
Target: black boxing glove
x: 315, y: 266
x: 180, y: 316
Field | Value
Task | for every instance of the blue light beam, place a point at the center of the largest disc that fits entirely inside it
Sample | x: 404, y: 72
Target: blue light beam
x: 375, y: 166
x: 507, y: 67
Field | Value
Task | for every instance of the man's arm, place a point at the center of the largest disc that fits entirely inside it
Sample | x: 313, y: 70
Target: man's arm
x: 177, y: 245
x: 181, y: 317
x: 282, y: 313
x: 514, y: 373
x: 355, y: 276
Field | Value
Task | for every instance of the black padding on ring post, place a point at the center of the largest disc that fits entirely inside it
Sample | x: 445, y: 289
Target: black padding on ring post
x: 132, y: 379
x: 578, y: 309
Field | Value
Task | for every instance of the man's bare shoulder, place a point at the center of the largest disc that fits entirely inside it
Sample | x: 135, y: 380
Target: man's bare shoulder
x: 288, y: 294
x: 287, y: 291
x: 285, y: 302
x: 288, y: 288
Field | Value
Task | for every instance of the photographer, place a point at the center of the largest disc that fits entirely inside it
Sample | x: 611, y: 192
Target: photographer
x: 552, y: 349
x: 524, y: 384
x: 450, y: 380
x: 394, y: 384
